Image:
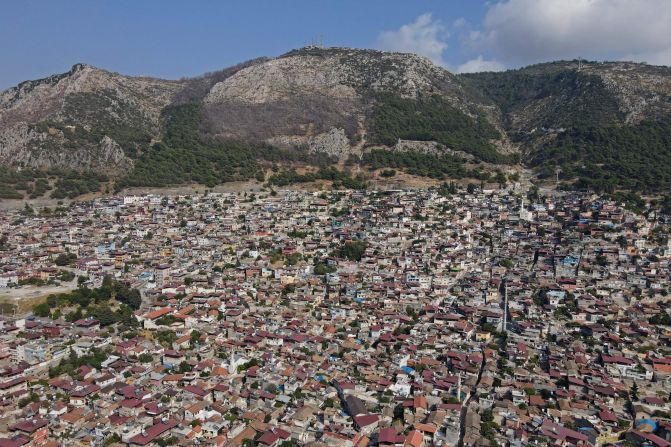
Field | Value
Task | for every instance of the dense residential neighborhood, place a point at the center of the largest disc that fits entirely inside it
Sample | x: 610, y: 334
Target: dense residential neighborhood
x: 410, y: 318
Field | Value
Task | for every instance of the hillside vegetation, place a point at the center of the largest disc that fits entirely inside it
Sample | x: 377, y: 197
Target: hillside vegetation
x: 185, y: 156
x: 550, y: 98
x: 634, y: 157
x: 432, y: 119
x: 604, y: 125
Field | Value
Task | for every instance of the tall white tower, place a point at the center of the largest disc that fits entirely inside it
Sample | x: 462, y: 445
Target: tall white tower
x: 459, y: 388
x: 505, y: 307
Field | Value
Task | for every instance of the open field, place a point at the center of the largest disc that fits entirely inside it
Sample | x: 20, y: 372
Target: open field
x: 23, y: 299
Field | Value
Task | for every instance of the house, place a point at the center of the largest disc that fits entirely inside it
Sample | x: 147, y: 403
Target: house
x: 153, y: 433
x: 36, y: 430
x: 172, y: 359
x: 366, y: 423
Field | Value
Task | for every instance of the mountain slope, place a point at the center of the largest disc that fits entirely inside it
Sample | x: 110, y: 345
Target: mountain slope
x: 298, y: 98
x: 605, y: 125
x: 569, y: 94
x: 85, y: 119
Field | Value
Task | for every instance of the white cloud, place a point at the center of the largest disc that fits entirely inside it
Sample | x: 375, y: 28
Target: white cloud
x: 425, y: 36
x: 479, y: 64
x: 523, y: 31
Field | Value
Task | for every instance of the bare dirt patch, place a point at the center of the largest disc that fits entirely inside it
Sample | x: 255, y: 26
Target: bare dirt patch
x: 22, y: 300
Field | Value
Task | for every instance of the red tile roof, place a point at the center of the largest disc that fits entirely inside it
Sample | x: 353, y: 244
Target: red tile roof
x: 153, y: 432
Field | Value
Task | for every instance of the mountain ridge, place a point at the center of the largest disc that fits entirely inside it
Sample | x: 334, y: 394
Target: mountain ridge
x: 341, y: 103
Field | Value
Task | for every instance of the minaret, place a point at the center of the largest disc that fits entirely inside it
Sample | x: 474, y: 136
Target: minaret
x: 231, y: 362
x: 505, y: 308
x: 459, y: 388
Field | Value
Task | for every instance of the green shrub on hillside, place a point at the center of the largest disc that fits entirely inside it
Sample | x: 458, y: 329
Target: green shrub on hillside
x: 432, y: 118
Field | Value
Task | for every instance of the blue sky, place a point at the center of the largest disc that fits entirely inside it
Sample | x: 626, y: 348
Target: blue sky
x: 172, y: 39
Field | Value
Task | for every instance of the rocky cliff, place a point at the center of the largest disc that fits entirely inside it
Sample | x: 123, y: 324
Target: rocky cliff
x: 85, y: 119
x: 338, y: 102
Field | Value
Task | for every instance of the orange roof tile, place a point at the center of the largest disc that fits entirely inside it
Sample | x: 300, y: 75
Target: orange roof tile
x: 414, y: 439
x: 158, y: 313
x: 428, y: 428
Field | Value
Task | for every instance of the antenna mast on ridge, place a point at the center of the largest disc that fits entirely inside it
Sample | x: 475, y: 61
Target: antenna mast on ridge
x: 317, y: 41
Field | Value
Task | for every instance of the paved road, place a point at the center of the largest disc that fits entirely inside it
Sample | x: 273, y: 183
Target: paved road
x: 464, y: 404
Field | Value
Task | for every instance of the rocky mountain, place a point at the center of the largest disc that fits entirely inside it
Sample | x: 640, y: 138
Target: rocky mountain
x: 325, y: 99
x: 601, y: 124
x: 85, y: 119
x: 577, y: 93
